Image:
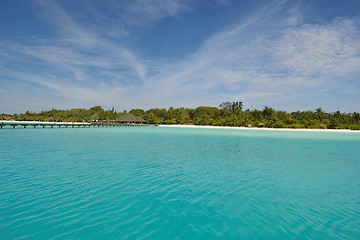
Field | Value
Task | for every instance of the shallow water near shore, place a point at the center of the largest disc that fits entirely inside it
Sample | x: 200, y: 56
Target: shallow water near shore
x: 173, y: 183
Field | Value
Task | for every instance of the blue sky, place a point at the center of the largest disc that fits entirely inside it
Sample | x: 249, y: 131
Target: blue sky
x: 289, y: 55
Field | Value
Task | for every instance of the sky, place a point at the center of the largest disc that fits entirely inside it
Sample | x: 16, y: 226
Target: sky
x: 289, y: 55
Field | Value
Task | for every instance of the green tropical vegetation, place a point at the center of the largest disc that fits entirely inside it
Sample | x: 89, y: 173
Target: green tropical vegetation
x: 227, y: 114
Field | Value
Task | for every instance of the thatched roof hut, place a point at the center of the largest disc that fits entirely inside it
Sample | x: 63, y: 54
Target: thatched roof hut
x: 261, y: 124
x: 130, y: 118
x: 322, y: 126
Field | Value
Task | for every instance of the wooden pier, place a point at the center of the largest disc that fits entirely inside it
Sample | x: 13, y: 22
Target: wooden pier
x: 34, y: 124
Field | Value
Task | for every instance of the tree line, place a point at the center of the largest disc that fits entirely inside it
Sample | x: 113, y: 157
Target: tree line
x: 227, y: 114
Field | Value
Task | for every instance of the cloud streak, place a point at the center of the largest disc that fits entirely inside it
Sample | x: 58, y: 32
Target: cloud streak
x: 81, y: 39
x: 281, y: 60
x: 271, y: 56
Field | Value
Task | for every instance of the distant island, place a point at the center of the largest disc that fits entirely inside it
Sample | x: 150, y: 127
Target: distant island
x: 227, y: 114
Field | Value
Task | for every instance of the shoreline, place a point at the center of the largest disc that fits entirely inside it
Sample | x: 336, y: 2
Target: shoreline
x: 266, y: 129
x: 17, y: 123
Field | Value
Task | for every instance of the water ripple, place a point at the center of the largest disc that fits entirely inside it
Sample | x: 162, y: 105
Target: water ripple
x: 169, y: 184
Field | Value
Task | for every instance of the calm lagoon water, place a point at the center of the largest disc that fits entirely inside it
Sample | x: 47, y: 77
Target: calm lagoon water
x: 171, y: 183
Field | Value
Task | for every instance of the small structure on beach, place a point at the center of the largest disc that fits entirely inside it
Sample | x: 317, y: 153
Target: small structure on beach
x: 261, y: 124
x: 130, y: 119
x: 323, y: 126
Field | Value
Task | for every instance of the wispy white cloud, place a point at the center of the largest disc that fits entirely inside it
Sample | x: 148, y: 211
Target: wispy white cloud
x: 81, y: 93
x: 83, y: 40
x: 139, y: 12
x: 267, y: 57
x: 331, y: 49
x: 80, y: 53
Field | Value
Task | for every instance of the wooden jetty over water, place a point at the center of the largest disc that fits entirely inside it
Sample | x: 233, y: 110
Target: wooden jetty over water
x: 35, y: 124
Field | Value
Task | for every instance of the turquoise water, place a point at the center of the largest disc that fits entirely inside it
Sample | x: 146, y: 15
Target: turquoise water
x: 170, y: 183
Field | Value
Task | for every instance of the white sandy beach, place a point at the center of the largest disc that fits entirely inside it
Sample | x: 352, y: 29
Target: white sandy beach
x: 266, y: 129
